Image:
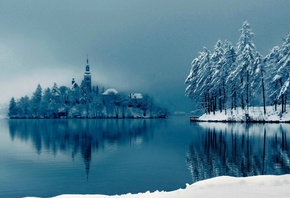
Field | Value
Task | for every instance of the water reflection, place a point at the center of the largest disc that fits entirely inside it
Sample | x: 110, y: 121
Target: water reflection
x: 81, y: 136
x: 239, y: 150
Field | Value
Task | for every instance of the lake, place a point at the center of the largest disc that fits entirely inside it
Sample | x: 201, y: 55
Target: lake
x: 51, y: 157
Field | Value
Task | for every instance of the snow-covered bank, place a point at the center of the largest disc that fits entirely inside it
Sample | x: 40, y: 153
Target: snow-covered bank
x: 226, y: 187
x: 254, y: 114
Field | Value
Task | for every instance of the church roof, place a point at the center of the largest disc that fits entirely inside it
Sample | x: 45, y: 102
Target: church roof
x: 110, y: 91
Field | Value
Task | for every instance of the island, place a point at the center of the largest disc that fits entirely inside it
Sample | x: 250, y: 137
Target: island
x: 84, y: 101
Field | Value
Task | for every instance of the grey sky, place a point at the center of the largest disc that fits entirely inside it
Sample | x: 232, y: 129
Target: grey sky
x: 133, y: 45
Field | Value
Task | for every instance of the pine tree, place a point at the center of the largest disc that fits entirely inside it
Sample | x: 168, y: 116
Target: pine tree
x: 274, y: 80
x: 46, y: 103
x: 24, y: 105
x: 13, y: 110
x: 246, y: 52
x: 219, y: 75
x: 258, y: 83
x: 284, y: 71
x: 36, y: 101
x: 229, y: 66
x: 198, y: 81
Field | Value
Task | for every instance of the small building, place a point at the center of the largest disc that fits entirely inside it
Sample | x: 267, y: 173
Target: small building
x: 137, y: 96
x: 135, y: 99
x: 74, y: 85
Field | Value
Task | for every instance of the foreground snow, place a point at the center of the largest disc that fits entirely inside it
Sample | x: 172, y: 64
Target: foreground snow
x: 225, y: 187
x: 255, y: 114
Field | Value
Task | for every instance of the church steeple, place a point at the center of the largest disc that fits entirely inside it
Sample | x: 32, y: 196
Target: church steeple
x: 87, y: 77
x: 87, y: 66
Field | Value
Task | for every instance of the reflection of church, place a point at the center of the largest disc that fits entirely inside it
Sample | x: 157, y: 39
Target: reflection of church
x: 86, y: 82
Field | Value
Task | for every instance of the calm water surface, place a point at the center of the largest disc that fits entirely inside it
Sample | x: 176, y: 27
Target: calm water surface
x: 51, y: 157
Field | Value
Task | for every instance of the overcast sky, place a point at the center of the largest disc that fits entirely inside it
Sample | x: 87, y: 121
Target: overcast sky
x: 138, y: 46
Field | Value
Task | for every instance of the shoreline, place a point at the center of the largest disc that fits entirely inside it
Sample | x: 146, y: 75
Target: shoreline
x: 251, y: 115
x: 83, y: 118
x: 241, y: 121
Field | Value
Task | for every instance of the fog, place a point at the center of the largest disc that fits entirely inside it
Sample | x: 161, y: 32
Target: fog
x: 132, y: 45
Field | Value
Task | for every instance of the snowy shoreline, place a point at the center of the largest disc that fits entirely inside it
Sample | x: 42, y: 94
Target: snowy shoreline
x: 253, y: 115
x: 266, y: 186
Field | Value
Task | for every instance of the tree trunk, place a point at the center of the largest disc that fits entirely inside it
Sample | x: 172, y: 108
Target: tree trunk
x: 282, y: 103
x: 247, y: 90
x: 224, y: 97
x: 242, y: 94
x: 220, y: 100
x: 263, y: 92
x: 235, y: 99
x: 285, y: 103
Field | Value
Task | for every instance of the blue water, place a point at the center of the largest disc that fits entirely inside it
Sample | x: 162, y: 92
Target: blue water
x: 51, y: 157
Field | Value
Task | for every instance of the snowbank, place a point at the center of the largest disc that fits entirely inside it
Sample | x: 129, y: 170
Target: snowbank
x: 226, y: 187
x: 254, y: 114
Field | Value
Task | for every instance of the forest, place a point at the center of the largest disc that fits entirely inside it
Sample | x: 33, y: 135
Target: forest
x: 239, y: 76
x: 64, y: 102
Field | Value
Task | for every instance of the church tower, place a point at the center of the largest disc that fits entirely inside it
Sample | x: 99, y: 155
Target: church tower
x: 88, y: 78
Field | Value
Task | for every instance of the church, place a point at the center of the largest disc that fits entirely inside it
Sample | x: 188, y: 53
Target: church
x: 87, y: 81
x: 86, y: 86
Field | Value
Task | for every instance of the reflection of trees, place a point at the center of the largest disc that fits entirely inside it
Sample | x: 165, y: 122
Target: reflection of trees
x: 239, y: 150
x: 80, y: 136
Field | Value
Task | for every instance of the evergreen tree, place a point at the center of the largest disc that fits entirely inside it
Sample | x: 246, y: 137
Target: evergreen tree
x: 229, y: 66
x: 24, y: 105
x: 284, y: 71
x: 199, y: 80
x: 46, y: 103
x: 219, y: 75
x: 55, y: 103
x: 273, y: 79
x: 192, y: 79
x: 36, y: 101
x: 259, y: 79
x: 244, y: 71
x: 13, y: 109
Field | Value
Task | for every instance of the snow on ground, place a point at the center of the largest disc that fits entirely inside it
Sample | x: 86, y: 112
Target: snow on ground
x: 225, y: 187
x: 255, y: 113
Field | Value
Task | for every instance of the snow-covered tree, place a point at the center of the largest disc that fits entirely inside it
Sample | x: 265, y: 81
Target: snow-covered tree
x: 219, y: 75
x: 46, y: 103
x: 258, y: 83
x: 199, y: 80
x: 25, y: 110
x: 273, y: 79
x: 192, y: 79
x: 284, y: 70
x: 244, y: 71
x: 36, y: 101
x: 13, y: 109
x: 230, y: 65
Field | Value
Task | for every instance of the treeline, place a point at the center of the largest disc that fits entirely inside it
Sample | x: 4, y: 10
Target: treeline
x: 63, y: 102
x: 239, y: 76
